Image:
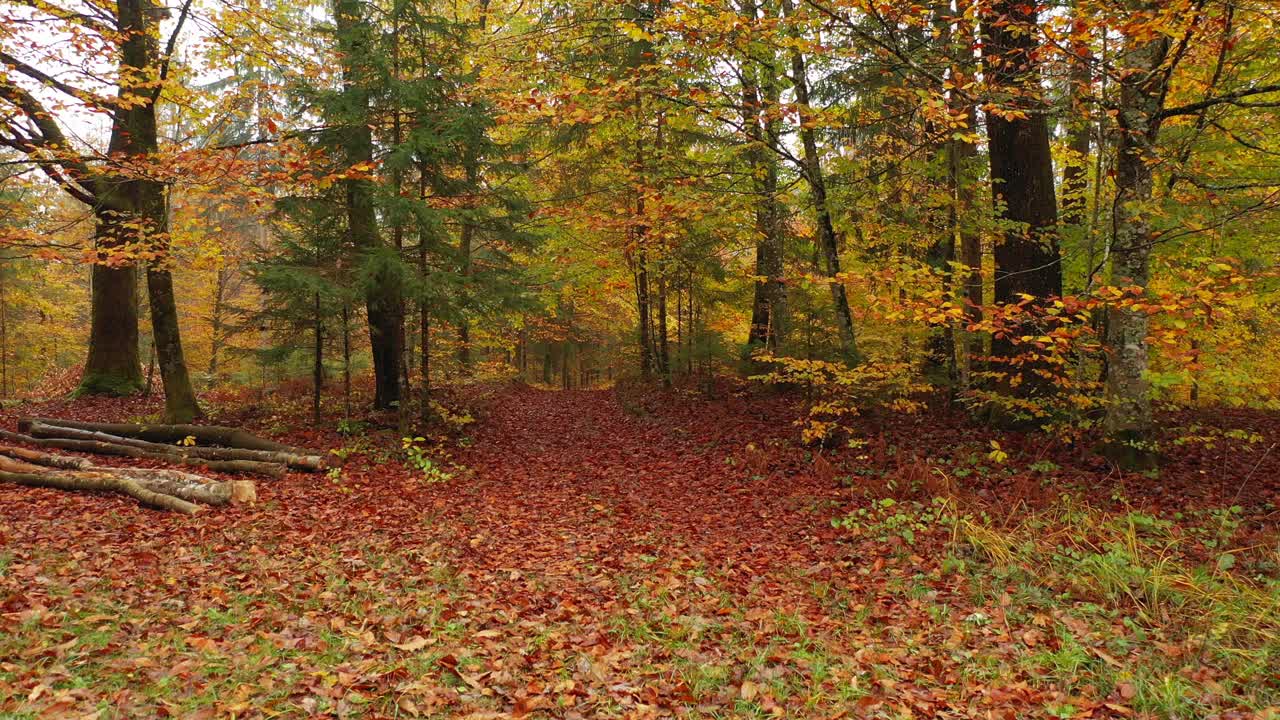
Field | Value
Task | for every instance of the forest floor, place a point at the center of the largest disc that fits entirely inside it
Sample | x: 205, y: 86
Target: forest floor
x: 602, y: 554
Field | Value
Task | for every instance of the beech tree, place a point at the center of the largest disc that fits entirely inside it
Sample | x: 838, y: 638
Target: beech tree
x: 124, y: 188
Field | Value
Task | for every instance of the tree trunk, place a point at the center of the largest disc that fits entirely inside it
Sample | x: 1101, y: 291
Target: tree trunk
x: 963, y: 153
x: 164, y: 453
x: 464, y: 257
x: 1075, y: 175
x: 149, y: 204
x: 161, y: 488
x: 301, y: 459
x: 1027, y: 259
x: 1128, y: 423
x: 664, y: 347
x: 828, y: 242
x: 114, y: 366
x: 180, y: 404
x: 642, y: 308
x: 382, y: 296
x: 216, y: 329
x: 101, y: 482
x: 317, y: 366
x: 760, y: 93
x: 346, y: 361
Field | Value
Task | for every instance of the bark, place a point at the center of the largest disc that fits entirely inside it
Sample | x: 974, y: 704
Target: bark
x: 176, y: 483
x: 1128, y: 423
x: 1075, y: 176
x: 168, y: 489
x: 317, y: 367
x: 180, y: 404
x: 464, y: 253
x: 149, y: 203
x: 424, y: 311
x: 114, y: 365
x: 642, y: 308
x: 310, y: 463
x: 216, y: 329
x: 962, y: 153
x: 1027, y: 259
x: 664, y: 347
x: 101, y: 482
x: 471, y: 165
x: 346, y: 361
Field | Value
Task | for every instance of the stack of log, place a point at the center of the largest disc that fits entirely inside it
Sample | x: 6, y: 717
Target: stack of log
x: 221, y: 449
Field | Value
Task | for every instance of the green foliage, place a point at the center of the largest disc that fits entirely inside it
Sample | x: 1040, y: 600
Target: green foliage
x: 886, y: 517
x: 844, y: 392
x: 418, y: 457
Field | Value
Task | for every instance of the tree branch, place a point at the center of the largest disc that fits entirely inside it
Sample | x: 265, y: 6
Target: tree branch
x: 169, y: 48
x: 51, y: 139
x: 51, y: 82
x: 1232, y: 98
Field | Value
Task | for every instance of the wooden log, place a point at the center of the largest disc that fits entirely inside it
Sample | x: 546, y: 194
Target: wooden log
x: 274, y: 470
x: 204, y: 434
x: 66, y: 462
x: 309, y: 463
x: 101, y: 483
x: 179, y: 484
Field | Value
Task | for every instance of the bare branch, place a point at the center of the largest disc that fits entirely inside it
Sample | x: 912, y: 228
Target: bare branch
x: 1233, y: 98
x: 51, y: 82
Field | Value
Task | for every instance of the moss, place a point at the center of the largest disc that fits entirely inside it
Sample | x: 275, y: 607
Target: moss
x: 103, y: 383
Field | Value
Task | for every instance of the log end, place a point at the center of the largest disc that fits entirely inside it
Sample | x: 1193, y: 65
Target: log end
x: 243, y: 491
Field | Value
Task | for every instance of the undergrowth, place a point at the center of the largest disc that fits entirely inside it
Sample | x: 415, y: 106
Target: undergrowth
x: 1160, y: 616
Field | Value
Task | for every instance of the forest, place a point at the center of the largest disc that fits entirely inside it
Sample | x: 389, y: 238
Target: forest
x: 640, y: 359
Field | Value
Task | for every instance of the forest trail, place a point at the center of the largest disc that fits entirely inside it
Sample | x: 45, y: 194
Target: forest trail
x: 574, y: 477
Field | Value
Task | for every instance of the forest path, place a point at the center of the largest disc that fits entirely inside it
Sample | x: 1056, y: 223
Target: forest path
x: 572, y: 476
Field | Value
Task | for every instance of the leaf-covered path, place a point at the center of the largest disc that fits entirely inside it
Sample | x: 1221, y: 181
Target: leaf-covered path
x: 601, y: 559
x: 571, y: 481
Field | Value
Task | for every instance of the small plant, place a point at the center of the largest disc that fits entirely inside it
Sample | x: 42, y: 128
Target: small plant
x: 418, y: 457
x: 347, y: 426
x: 887, y: 518
x: 842, y: 393
x: 454, y: 421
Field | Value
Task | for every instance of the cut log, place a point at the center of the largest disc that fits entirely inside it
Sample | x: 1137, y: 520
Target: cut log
x: 101, y: 483
x: 24, y: 467
x: 275, y: 470
x: 309, y: 463
x: 204, y: 434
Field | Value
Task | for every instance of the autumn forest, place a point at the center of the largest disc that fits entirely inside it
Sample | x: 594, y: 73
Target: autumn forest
x: 639, y: 359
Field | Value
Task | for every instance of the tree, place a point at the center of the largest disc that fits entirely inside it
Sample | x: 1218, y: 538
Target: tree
x: 811, y: 169
x: 758, y: 75
x: 123, y: 189
x: 1027, y: 259
x: 382, y: 272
